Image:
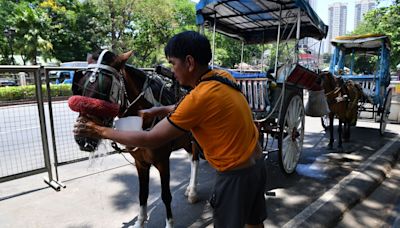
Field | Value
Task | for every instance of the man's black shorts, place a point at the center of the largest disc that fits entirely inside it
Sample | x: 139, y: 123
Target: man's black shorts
x: 238, y: 197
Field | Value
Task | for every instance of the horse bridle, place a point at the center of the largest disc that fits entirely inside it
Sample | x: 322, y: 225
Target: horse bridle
x: 115, y: 95
x: 118, y: 92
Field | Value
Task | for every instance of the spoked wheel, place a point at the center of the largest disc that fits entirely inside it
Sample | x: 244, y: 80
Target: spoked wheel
x: 291, y: 135
x: 385, y: 112
x: 325, y: 121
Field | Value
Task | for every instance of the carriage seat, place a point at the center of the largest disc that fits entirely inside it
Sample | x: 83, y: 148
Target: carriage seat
x: 299, y: 76
x: 367, y: 83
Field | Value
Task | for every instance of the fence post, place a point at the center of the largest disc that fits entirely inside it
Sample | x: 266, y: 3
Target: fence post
x: 49, y: 180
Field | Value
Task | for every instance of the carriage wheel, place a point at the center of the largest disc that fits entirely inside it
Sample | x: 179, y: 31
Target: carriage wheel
x: 385, y: 112
x: 325, y: 121
x: 291, y: 135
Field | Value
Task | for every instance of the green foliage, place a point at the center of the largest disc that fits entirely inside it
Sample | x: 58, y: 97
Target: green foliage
x: 18, y: 93
x: 74, y: 30
x: 228, y: 51
x: 6, y: 7
x: 184, y: 15
x: 32, y: 26
x: 386, y: 21
x: 153, y: 21
x: 69, y: 29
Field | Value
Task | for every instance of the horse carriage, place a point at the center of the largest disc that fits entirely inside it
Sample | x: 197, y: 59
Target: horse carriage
x: 276, y: 99
x: 373, y: 52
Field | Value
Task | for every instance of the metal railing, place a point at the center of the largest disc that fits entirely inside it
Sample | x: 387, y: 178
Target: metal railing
x: 27, y: 146
x: 22, y: 129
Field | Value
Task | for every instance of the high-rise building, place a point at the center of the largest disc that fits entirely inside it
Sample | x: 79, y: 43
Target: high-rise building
x: 309, y: 43
x: 337, y: 20
x: 361, y: 7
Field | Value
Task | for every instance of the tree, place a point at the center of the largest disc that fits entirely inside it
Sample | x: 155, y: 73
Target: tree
x: 6, y: 6
x: 74, y: 28
x: 385, y: 20
x: 31, y: 24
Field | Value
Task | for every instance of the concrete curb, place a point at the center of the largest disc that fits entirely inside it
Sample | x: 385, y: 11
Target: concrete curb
x: 328, y: 210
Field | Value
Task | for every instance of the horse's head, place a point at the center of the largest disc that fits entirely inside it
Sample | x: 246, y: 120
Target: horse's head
x: 99, y: 92
x: 327, y: 81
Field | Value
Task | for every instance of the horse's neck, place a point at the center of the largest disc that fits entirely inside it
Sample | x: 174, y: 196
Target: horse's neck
x: 134, y: 83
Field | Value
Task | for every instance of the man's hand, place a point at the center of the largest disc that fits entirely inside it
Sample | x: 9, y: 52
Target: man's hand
x: 87, y: 128
x: 147, y: 113
x: 161, y: 111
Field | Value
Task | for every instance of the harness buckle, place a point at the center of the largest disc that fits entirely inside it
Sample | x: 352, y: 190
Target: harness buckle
x: 92, y: 78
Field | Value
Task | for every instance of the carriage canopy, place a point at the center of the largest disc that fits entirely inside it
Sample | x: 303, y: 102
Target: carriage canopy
x: 257, y: 21
x: 365, y: 43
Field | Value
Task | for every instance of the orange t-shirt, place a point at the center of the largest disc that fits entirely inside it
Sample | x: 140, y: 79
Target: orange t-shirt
x: 220, y: 119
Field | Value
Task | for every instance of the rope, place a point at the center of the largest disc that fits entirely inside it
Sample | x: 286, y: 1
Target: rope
x: 122, y: 151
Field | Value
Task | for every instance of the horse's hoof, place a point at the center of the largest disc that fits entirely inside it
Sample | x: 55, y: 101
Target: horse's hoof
x: 169, y: 223
x: 138, y: 224
x: 330, y: 146
x: 192, y: 198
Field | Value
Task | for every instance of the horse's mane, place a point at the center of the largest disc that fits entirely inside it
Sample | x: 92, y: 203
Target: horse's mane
x: 162, y: 88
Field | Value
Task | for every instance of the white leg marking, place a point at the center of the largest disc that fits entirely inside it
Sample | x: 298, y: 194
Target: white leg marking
x: 191, y: 189
x: 142, y: 217
x: 169, y: 223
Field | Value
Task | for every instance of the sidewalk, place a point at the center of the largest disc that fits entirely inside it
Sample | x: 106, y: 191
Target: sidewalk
x: 105, y: 195
x: 102, y: 195
x: 328, y: 210
x: 377, y: 209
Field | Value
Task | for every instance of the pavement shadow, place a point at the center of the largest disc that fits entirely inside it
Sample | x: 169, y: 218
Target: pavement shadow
x: 185, y: 214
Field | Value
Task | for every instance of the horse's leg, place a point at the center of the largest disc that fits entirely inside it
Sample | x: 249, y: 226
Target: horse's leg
x: 163, y: 168
x: 331, y: 139
x: 191, y: 190
x: 340, y: 147
x: 143, y: 173
x: 347, y: 131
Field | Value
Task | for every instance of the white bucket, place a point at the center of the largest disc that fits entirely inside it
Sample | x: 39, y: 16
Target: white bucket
x: 130, y: 123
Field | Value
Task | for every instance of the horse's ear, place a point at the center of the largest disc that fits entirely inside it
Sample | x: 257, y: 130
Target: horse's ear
x: 125, y: 56
x: 89, y: 58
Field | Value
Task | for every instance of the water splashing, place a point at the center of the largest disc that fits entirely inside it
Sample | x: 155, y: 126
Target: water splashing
x: 96, y: 158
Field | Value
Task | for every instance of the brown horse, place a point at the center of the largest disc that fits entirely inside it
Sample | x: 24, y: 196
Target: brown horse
x: 343, y: 97
x: 136, y: 91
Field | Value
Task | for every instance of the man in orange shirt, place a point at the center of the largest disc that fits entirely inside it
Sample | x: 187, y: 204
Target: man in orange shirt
x: 217, y: 114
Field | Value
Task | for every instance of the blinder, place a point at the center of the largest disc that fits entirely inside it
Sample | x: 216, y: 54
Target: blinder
x: 95, y: 74
x: 76, y: 89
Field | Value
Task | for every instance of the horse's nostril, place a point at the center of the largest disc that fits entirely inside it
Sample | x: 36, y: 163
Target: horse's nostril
x: 87, y: 144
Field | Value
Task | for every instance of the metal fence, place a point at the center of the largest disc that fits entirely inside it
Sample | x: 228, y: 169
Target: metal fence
x: 24, y: 147
x: 36, y: 133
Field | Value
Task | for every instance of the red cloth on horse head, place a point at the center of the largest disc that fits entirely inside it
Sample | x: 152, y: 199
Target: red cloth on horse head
x: 93, y: 106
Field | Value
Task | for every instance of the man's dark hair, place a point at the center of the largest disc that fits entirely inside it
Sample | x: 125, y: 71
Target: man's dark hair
x: 189, y: 43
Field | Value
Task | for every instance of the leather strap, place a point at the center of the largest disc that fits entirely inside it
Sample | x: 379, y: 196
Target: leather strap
x: 223, y: 80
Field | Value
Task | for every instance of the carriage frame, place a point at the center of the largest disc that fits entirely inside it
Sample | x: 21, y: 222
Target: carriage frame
x: 375, y: 84
x: 276, y: 100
